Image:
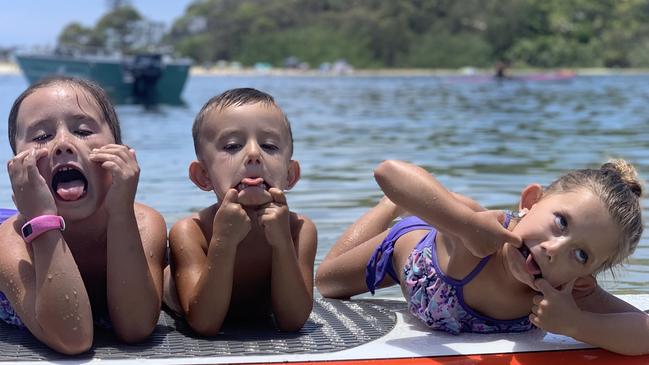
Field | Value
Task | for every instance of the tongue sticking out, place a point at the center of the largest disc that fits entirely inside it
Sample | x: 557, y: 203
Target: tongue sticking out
x: 252, y: 181
x: 532, y: 267
x: 70, y: 190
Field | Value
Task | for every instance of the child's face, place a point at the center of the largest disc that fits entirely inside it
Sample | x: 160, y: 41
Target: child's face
x: 567, y: 235
x: 247, y: 148
x: 67, y: 123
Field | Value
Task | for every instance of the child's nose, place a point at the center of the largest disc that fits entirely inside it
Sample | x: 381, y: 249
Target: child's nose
x: 254, y: 156
x: 552, y: 248
x: 63, y: 146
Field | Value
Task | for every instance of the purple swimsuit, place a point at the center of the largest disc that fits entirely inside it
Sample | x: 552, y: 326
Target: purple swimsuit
x: 433, y: 297
x: 7, y: 313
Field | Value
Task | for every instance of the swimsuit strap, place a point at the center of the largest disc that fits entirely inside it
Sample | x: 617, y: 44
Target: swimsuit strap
x: 476, y: 270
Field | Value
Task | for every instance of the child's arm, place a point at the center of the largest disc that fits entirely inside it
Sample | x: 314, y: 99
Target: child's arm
x: 136, y: 240
x: 418, y: 192
x: 292, y: 263
x: 599, y: 319
x: 41, y: 279
x: 204, y: 277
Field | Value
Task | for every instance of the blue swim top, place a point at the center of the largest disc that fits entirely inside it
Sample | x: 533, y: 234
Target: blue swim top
x: 434, y: 298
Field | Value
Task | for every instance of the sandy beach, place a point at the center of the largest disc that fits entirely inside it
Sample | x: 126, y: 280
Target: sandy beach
x: 10, y: 68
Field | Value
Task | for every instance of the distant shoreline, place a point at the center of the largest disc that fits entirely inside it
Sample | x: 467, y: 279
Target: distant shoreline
x: 10, y: 68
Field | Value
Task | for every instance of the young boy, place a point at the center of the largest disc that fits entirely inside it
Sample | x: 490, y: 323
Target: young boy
x: 247, y: 255
x: 80, y: 246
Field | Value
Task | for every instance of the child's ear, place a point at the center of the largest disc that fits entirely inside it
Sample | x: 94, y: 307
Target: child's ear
x: 198, y: 175
x: 293, y: 174
x: 530, y: 196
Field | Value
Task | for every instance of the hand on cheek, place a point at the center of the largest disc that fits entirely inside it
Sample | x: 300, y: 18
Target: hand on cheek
x: 122, y: 164
x: 31, y: 194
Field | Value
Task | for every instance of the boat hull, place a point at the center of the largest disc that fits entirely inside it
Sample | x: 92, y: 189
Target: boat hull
x: 112, y: 74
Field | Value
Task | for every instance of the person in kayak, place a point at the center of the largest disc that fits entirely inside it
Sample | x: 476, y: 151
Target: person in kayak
x: 466, y: 269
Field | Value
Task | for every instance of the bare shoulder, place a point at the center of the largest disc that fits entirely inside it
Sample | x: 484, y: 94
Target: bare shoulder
x: 151, y: 224
x: 303, y: 227
x: 193, y: 228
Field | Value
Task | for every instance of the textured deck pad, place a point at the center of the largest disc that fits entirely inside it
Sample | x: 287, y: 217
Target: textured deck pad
x: 333, y: 326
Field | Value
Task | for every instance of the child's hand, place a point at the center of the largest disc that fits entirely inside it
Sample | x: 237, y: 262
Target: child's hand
x: 231, y: 222
x: 555, y: 310
x: 120, y: 161
x: 32, y: 196
x: 486, y: 234
x: 273, y: 218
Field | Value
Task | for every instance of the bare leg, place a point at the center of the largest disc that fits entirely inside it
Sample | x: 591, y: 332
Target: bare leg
x: 368, y: 226
x: 342, y: 273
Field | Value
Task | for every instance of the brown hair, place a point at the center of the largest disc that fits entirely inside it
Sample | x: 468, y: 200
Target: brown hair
x: 616, y: 183
x: 235, y: 97
x: 96, y: 92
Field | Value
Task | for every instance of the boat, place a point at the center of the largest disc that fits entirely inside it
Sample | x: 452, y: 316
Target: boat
x: 147, y: 78
x: 338, y: 332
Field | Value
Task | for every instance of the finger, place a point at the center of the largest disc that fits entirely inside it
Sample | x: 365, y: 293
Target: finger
x: 537, y: 299
x: 100, y: 157
x: 30, y: 165
x: 231, y: 196
x: 278, y: 196
x: 535, y: 320
x: 116, y: 150
x: 544, y: 286
x: 513, y: 238
x: 567, y: 287
x: 535, y: 310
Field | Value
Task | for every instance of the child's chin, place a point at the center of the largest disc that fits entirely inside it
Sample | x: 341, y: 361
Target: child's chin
x: 254, y: 198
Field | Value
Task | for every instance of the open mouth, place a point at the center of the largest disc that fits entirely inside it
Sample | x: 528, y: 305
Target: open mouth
x: 69, y: 184
x: 530, y: 264
x: 248, y: 182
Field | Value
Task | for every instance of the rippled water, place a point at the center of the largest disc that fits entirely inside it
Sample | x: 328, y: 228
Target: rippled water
x: 486, y: 140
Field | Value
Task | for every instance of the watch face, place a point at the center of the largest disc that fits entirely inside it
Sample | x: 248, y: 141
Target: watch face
x: 27, y: 230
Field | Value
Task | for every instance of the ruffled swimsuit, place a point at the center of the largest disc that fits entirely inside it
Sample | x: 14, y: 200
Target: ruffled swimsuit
x: 433, y: 297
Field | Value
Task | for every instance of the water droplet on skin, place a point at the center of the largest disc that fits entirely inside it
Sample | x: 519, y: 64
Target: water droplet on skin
x: 182, y: 248
x: 74, y: 292
x: 67, y: 298
x: 49, y: 277
x: 150, y: 253
x: 74, y: 328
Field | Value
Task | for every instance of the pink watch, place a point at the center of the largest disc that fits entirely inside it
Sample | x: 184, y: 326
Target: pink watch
x: 41, y: 224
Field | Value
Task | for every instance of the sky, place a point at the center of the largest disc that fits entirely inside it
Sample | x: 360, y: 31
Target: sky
x: 27, y: 23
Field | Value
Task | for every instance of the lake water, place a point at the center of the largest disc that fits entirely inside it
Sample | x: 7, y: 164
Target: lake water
x: 486, y: 140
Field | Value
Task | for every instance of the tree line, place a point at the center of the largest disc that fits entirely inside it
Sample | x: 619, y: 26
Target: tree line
x: 388, y: 33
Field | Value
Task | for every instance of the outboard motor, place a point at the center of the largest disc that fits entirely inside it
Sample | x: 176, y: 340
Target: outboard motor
x: 146, y: 71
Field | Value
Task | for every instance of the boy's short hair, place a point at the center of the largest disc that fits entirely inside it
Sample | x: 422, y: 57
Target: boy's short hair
x: 235, y: 97
x: 95, y: 91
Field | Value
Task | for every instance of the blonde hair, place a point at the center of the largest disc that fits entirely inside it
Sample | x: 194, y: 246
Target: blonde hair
x: 617, y: 185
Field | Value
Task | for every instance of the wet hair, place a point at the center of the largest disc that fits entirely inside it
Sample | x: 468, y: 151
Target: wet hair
x: 90, y: 88
x: 235, y: 97
x: 617, y: 185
